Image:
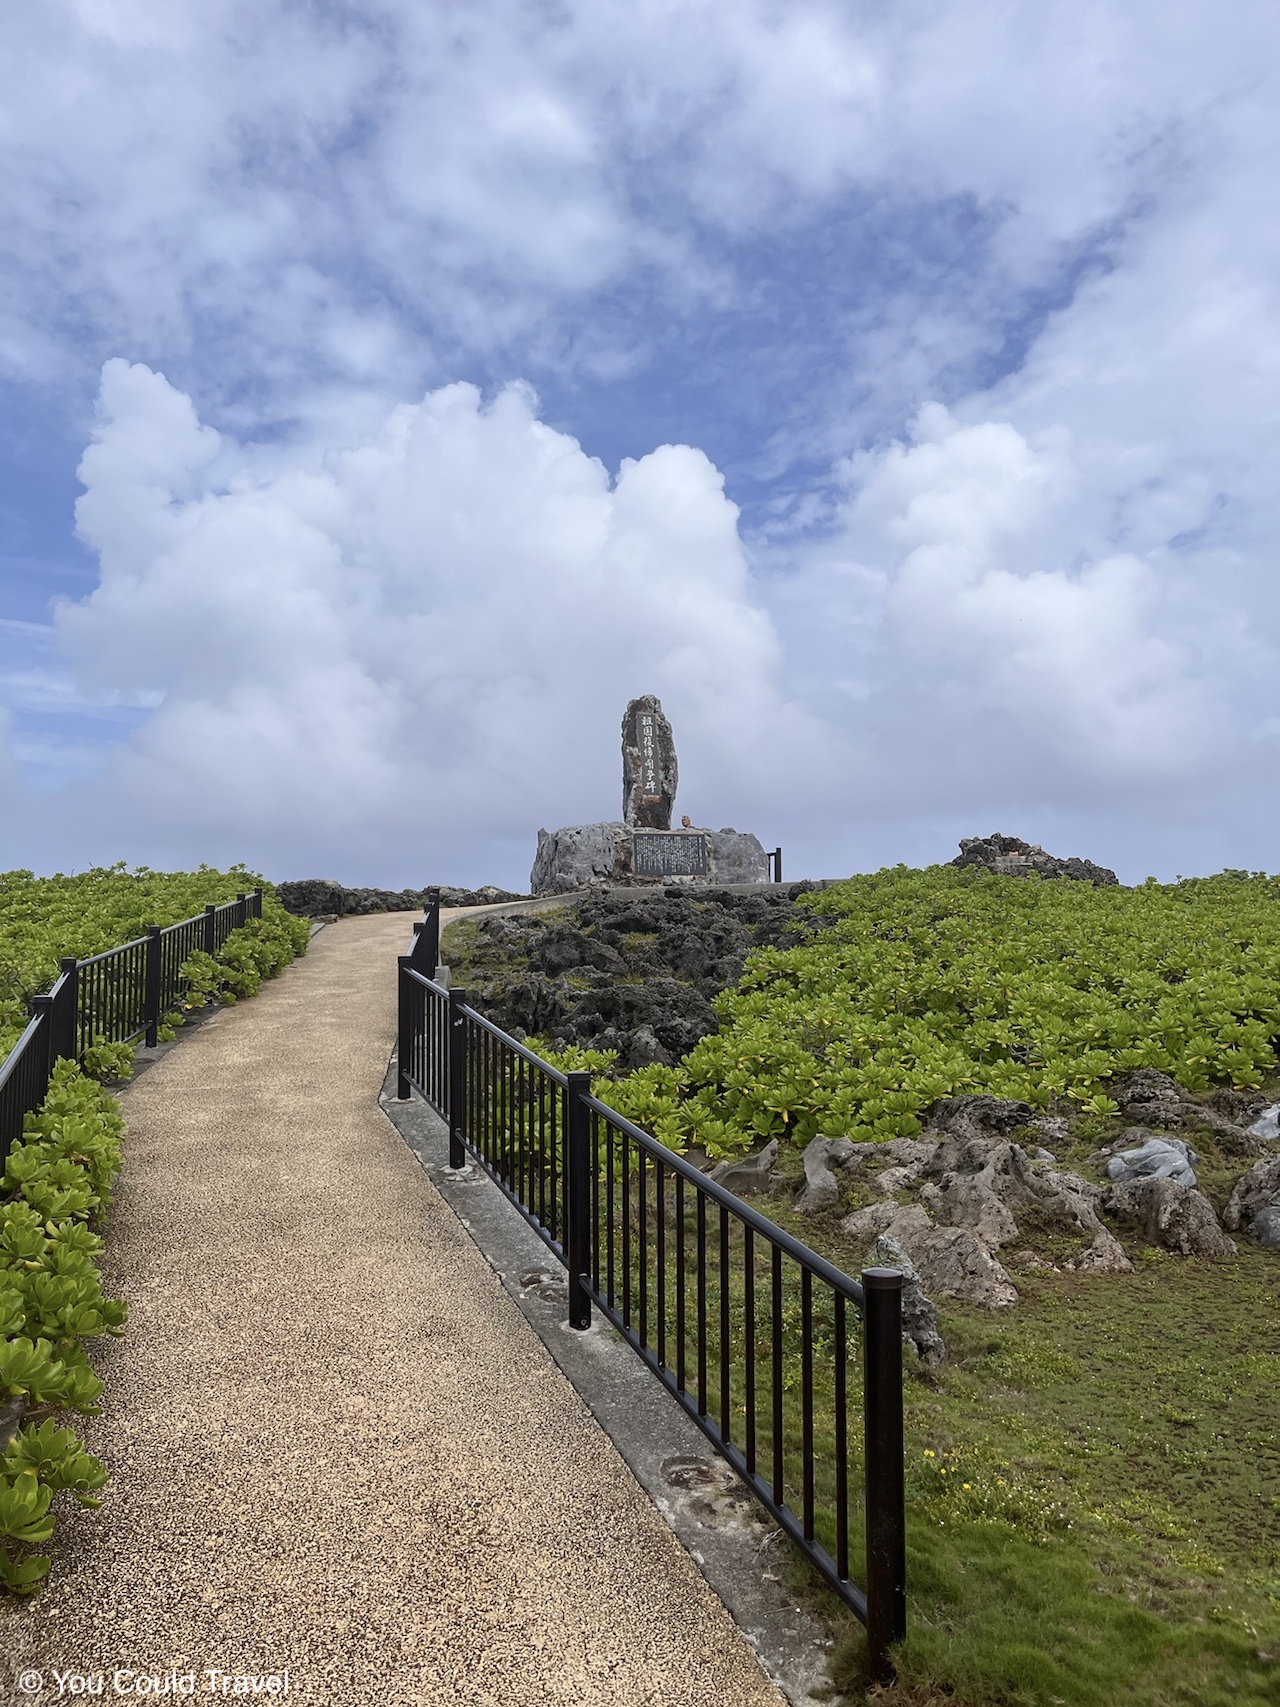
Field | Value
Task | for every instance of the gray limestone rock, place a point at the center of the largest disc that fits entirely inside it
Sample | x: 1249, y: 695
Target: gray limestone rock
x: 1266, y: 1227
x: 649, y: 772
x: 578, y: 855
x: 1171, y: 1214
x: 951, y: 1262
x: 982, y: 1184
x: 737, y: 857
x: 1252, y: 1193
x: 878, y: 1218
x: 967, y: 1200
x: 821, y: 1188
x: 919, y: 1315
x: 896, y: 1179
x: 748, y: 1174
x: 1267, y: 1125
x: 1158, y: 1158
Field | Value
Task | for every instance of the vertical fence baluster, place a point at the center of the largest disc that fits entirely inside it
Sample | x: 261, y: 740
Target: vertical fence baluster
x: 702, y: 1304
x: 642, y: 1182
x: 726, y: 1419
x: 595, y: 1198
x: 842, y: 1438
x: 779, y: 1465
x: 577, y: 1246
x: 749, y: 1340
x: 611, y: 1241
x: 806, y: 1395
x: 626, y: 1229
x: 680, y: 1231
x: 457, y: 1079
x: 660, y: 1208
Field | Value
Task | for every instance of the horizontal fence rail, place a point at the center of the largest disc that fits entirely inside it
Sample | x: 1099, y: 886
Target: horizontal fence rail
x: 117, y: 996
x: 792, y: 1369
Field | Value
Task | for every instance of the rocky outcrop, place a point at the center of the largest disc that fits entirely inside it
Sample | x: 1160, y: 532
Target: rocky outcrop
x: 579, y: 855
x: 630, y: 970
x: 919, y: 1313
x: 1171, y: 1214
x: 488, y: 895
x: 750, y: 1173
x: 983, y: 1184
x: 951, y: 1261
x: 321, y: 897
x: 821, y: 1188
x: 1155, y: 1099
x: 1254, y: 1204
x: 1009, y: 856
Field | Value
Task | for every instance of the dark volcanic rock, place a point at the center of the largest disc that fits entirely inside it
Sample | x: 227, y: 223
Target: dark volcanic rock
x: 312, y: 897
x: 1009, y: 856
x: 632, y: 970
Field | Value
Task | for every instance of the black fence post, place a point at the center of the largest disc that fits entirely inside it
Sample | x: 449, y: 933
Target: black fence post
x: 886, y: 1492
x: 431, y: 948
x: 404, y: 1027
x: 577, y: 1197
x: 211, y: 929
x: 152, y: 997
x: 67, y: 993
x: 242, y: 906
x: 776, y: 857
x: 42, y: 1008
x: 457, y: 1079
x: 255, y: 900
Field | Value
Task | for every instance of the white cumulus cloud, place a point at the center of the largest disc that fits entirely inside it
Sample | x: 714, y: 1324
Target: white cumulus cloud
x: 382, y: 652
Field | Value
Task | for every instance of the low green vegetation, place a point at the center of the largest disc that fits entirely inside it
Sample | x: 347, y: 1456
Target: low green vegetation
x: 1094, y: 1475
x: 44, y: 918
x: 56, y: 1187
x: 939, y: 982
x: 56, y: 1182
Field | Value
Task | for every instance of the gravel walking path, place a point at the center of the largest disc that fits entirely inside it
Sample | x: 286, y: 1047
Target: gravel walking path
x: 336, y: 1446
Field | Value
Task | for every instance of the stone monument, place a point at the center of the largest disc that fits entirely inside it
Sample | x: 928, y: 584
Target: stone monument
x: 649, y: 770
x: 642, y: 848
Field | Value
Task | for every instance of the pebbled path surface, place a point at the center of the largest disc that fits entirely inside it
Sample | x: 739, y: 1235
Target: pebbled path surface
x: 336, y: 1446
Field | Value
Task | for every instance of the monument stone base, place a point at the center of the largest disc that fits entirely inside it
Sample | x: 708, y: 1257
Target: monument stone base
x: 582, y: 854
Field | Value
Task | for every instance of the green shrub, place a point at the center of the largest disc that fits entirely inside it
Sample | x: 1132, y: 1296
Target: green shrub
x: 57, y: 1179
x: 937, y: 982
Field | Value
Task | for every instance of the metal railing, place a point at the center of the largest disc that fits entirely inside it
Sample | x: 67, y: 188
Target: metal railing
x: 752, y: 1333
x: 113, y: 997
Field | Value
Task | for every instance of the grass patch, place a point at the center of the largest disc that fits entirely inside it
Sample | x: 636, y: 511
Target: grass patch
x: 1094, y: 1494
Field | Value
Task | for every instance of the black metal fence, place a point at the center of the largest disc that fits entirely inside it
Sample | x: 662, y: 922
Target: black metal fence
x: 113, y: 997
x: 753, y: 1334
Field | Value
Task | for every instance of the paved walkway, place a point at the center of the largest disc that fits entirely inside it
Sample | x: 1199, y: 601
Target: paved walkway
x: 336, y: 1445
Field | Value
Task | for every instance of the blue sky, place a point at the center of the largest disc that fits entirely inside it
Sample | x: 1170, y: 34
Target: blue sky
x: 892, y: 389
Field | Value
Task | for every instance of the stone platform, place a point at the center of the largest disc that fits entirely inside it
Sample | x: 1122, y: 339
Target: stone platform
x: 581, y: 854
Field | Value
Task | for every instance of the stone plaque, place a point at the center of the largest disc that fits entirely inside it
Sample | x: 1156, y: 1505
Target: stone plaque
x: 670, y: 853
x: 649, y: 772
